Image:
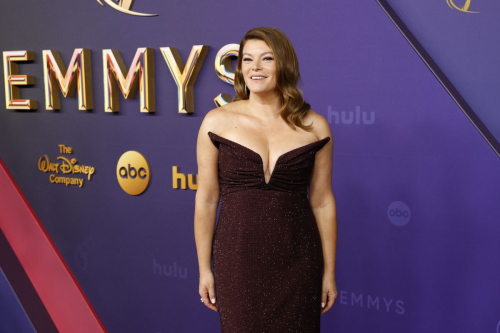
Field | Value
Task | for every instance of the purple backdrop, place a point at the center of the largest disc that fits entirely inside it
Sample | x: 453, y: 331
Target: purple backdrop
x: 416, y: 185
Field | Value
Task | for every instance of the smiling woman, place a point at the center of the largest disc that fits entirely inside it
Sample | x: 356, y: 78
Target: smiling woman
x: 273, y: 249
x: 274, y: 52
x: 260, y: 67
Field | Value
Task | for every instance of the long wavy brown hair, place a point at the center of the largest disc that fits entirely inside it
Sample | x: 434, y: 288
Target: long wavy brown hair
x: 294, y: 108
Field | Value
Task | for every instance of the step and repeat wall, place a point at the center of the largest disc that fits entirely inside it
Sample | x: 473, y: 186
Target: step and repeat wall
x: 110, y: 170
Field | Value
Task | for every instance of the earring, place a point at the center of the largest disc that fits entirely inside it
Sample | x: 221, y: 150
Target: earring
x: 246, y: 89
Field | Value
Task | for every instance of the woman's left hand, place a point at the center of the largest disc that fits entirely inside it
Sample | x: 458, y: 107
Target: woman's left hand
x: 329, y: 292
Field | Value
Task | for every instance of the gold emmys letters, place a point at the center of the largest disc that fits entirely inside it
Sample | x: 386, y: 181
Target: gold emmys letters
x: 13, y: 80
x: 185, y: 75
x: 116, y: 77
x: 141, y: 73
x: 224, y: 70
x: 78, y: 75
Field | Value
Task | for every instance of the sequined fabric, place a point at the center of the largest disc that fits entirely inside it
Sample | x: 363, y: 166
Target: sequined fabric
x: 267, y: 252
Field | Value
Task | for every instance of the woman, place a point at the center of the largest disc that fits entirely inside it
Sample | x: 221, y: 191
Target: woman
x: 274, y: 246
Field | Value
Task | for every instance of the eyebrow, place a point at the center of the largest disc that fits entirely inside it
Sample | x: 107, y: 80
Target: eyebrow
x: 260, y: 54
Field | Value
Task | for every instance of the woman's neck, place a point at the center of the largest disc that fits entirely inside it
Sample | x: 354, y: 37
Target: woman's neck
x: 265, y: 106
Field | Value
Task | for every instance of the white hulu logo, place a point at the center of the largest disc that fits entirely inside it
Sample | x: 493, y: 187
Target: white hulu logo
x: 350, y: 117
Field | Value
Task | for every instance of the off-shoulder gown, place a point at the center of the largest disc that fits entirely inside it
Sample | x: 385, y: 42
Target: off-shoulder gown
x: 267, y: 255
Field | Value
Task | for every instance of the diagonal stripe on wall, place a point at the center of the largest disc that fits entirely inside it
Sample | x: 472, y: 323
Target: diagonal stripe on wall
x: 51, y: 277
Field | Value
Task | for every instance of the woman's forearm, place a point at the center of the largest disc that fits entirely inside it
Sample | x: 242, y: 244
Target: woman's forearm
x: 205, y: 216
x: 326, y: 219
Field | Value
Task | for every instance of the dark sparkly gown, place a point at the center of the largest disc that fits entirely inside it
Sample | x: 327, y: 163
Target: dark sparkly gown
x: 267, y: 252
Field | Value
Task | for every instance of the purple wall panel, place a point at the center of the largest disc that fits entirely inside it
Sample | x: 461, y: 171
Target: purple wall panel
x: 415, y: 155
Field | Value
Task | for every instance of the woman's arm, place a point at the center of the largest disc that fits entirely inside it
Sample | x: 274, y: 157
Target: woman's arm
x: 324, y: 209
x: 321, y: 196
x: 206, y: 203
x: 323, y: 206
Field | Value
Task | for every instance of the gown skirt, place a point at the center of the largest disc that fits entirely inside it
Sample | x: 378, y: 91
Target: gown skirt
x: 267, y: 255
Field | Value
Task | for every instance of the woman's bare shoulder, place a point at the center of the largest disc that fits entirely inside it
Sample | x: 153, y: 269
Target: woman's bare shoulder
x: 217, y: 119
x: 321, y: 127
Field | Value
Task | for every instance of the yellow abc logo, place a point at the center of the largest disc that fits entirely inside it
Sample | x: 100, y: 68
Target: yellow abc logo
x: 133, y: 172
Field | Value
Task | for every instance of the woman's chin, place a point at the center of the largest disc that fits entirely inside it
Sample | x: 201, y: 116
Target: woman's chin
x: 260, y: 91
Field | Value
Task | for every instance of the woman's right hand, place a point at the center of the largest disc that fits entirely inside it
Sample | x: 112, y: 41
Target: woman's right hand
x: 207, y: 291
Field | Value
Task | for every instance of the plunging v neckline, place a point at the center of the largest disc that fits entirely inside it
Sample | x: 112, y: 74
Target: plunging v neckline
x: 260, y: 157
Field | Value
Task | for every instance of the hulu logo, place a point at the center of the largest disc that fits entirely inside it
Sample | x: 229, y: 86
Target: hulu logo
x: 351, y: 117
x: 169, y: 270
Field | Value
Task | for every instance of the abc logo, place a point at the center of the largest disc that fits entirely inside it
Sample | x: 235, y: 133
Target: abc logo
x: 133, y: 173
x: 398, y: 213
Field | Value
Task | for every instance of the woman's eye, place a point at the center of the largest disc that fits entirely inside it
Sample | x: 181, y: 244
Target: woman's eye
x: 266, y: 58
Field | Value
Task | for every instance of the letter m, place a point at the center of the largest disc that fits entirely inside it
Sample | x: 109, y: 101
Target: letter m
x: 140, y: 73
x: 57, y: 79
x: 355, y: 300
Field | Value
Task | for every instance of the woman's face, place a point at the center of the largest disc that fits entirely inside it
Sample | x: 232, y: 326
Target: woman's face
x: 258, y: 67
